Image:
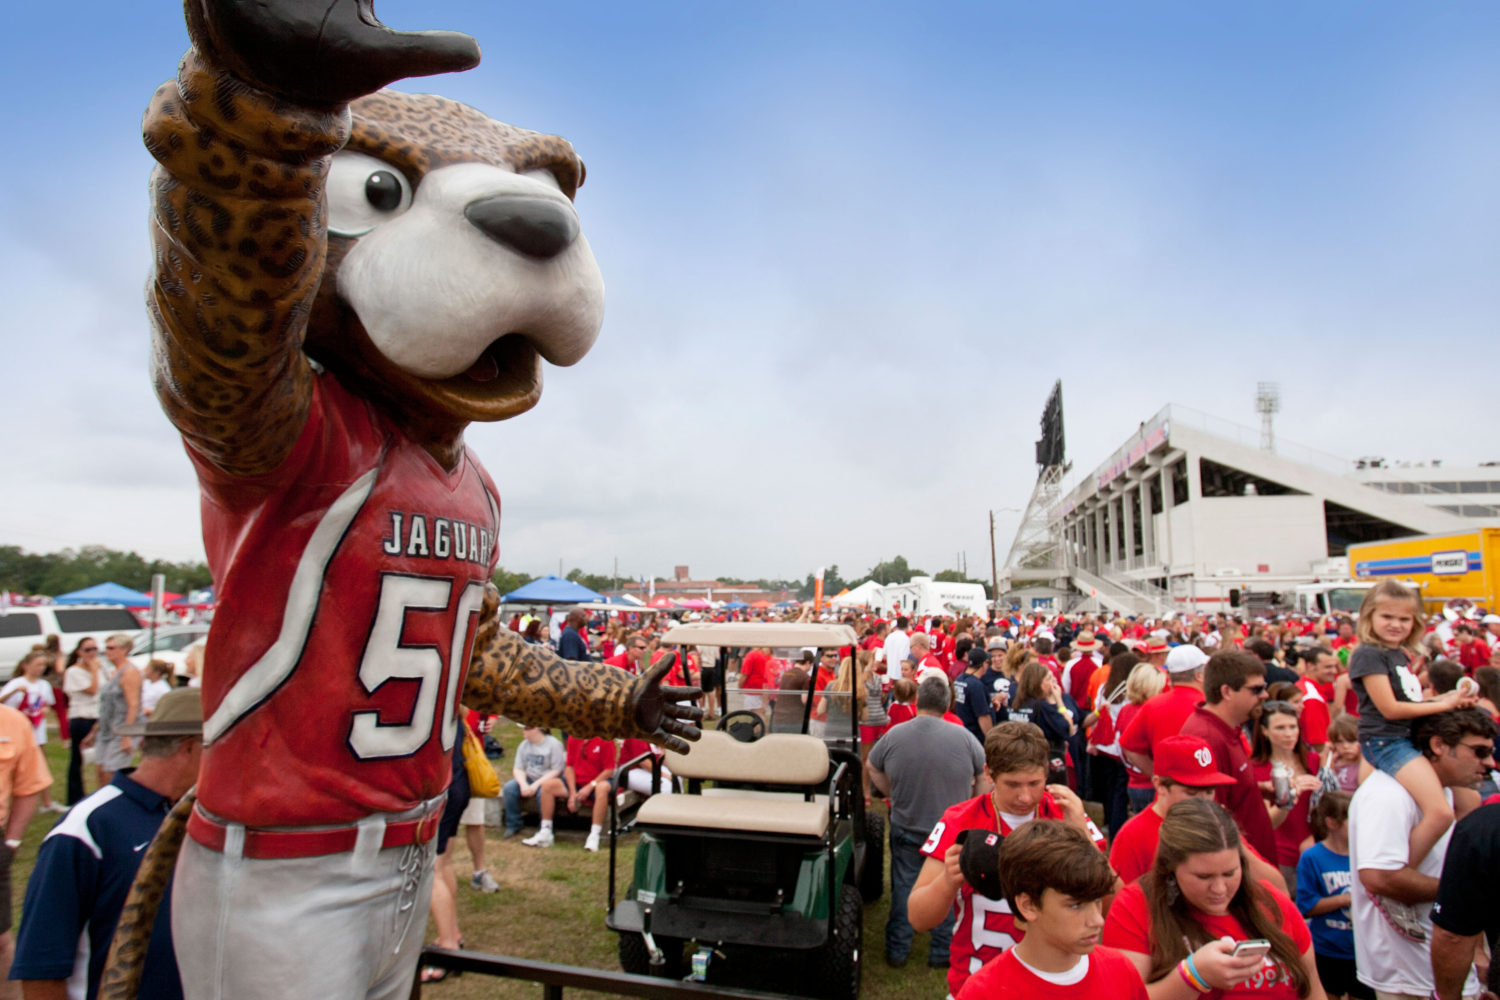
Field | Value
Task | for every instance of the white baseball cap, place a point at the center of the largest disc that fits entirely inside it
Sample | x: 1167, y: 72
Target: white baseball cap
x: 1185, y: 659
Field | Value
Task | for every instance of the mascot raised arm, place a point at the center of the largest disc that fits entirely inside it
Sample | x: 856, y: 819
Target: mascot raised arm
x: 345, y: 278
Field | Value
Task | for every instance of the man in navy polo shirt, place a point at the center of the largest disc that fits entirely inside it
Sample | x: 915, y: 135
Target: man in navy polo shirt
x: 88, y: 860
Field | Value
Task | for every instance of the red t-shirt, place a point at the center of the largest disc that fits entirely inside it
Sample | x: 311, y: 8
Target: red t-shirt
x: 1315, y: 715
x: 1243, y: 798
x: 622, y: 661
x: 1128, y: 927
x: 590, y: 758
x: 1134, y: 849
x: 1161, y: 716
x: 753, y: 670
x: 1128, y: 712
x: 983, y: 928
x: 901, y: 713
x: 1110, y: 976
x: 1295, y: 828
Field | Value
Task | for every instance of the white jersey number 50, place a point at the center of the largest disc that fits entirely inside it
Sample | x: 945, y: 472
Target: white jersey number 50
x: 386, y: 658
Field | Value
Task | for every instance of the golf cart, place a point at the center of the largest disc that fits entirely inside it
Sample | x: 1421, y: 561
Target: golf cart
x: 767, y: 856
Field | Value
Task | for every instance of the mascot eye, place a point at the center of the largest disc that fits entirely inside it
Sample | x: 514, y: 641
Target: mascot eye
x: 383, y: 191
x: 363, y: 192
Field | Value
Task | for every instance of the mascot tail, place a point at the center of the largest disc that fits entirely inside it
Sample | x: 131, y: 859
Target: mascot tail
x: 121, y: 979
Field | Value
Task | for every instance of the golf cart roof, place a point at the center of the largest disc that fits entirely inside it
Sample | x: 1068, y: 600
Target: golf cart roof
x: 777, y: 634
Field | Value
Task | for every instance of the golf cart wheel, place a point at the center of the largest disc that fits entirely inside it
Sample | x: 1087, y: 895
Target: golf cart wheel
x: 872, y: 878
x: 836, y: 966
x: 635, y: 959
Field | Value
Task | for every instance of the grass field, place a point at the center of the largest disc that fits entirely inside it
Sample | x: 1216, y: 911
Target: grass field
x: 550, y: 907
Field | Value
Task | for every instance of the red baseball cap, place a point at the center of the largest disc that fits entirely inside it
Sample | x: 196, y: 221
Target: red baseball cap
x: 1188, y: 760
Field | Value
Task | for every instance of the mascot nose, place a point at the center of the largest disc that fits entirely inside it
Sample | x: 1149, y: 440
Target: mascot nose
x: 537, y: 227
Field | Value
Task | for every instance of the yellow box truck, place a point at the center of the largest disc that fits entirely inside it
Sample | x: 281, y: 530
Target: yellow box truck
x: 1458, y: 564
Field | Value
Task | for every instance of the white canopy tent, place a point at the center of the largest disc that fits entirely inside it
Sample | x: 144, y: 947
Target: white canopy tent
x: 865, y: 595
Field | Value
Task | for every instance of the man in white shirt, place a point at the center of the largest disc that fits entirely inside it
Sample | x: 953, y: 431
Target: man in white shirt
x: 897, y: 648
x: 1396, y: 962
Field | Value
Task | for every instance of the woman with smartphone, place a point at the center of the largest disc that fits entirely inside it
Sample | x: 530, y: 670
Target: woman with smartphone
x: 1193, y: 925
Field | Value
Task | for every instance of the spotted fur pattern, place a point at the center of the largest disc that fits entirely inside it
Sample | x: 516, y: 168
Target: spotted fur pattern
x: 531, y: 684
x: 243, y: 259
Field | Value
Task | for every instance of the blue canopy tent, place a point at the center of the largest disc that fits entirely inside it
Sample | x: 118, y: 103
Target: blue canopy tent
x: 105, y: 593
x: 736, y: 605
x: 550, y: 590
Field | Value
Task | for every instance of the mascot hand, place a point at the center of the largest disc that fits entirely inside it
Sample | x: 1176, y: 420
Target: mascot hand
x: 321, y: 53
x: 665, y: 722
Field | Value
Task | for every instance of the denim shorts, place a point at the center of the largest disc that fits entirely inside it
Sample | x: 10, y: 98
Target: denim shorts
x: 1389, y: 753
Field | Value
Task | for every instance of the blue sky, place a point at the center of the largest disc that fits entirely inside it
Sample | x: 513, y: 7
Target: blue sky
x: 847, y: 249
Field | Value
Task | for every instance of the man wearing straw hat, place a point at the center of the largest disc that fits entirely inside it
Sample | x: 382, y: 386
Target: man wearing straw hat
x: 89, y: 859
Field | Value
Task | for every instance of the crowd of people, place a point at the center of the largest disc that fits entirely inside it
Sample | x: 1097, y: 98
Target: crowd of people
x: 1228, y: 764
x: 1077, y: 805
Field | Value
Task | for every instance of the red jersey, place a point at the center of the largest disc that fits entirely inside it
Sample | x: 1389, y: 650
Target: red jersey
x: 983, y: 928
x: 350, y: 579
x: 1128, y: 927
x: 1109, y: 976
x: 1473, y: 655
x: 1315, y: 716
x: 589, y: 758
x: 1161, y: 716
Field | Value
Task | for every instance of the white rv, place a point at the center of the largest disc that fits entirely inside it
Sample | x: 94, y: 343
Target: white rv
x: 923, y: 596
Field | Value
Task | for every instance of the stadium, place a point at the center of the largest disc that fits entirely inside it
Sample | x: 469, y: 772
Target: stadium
x: 1191, y: 507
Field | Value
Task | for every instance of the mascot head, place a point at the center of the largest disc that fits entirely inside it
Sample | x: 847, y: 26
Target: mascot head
x: 455, y: 263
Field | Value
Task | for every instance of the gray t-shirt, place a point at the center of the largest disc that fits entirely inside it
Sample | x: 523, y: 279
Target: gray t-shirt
x: 932, y: 765
x: 1369, y: 660
x: 536, y: 759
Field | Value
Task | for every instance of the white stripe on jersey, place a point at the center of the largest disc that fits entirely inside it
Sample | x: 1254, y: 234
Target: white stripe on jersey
x: 276, y: 665
x: 76, y: 823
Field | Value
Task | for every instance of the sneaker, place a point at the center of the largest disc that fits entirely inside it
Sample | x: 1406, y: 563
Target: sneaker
x: 509, y: 833
x: 484, y: 882
x: 543, y: 838
x: 1403, y: 917
x: 592, y: 843
x: 54, y: 807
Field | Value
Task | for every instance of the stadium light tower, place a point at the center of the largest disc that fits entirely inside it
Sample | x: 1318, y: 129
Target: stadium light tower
x: 1267, y: 404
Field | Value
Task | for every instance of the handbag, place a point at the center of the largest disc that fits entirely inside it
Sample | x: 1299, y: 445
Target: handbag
x: 484, y: 783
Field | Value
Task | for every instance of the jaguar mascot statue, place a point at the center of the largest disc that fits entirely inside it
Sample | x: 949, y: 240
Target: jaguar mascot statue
x: 344, y: 278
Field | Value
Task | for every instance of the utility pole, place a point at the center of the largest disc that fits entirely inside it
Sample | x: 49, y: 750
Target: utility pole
x: 994, y: 571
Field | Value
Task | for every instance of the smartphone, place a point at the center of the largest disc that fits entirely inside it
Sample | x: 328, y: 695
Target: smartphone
x: 1254, y: 948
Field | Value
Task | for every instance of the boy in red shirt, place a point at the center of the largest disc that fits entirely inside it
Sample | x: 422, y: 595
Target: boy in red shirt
x: 1055, y: 881
x: 586, y: 777
x: 1015, y: 758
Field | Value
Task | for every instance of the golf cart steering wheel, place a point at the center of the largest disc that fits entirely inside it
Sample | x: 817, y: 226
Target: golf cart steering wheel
x: 743, y: 725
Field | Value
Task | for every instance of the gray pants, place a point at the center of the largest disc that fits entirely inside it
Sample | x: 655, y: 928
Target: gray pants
x: 339, y: 927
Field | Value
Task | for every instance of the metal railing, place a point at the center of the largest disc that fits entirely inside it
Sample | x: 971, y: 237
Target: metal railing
x: 554, y: 978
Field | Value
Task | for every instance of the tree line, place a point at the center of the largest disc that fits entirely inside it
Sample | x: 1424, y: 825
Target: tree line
x: 67, y: 570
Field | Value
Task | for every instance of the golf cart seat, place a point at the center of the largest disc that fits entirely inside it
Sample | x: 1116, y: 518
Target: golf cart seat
x: 784, y: 759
